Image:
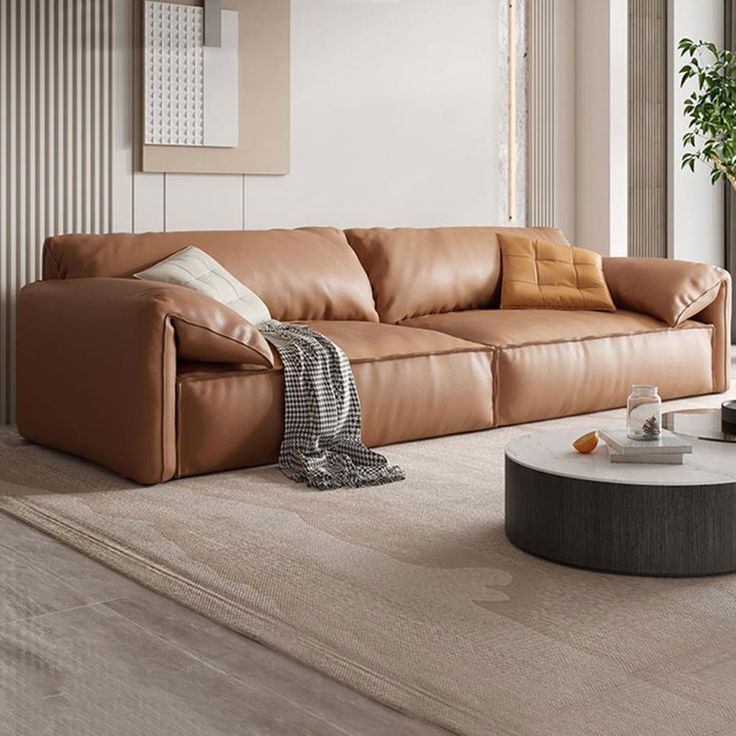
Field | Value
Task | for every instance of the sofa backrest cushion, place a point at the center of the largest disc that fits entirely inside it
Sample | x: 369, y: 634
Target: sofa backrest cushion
x: 426, y: 271
x: 304, y: 274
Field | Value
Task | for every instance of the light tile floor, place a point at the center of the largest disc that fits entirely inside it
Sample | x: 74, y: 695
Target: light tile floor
x: 85, y: 651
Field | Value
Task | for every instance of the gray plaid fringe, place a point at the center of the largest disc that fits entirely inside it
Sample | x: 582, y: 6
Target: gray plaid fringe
x: 322, y: 419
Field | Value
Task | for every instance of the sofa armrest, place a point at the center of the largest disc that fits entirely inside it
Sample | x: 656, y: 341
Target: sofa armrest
x: 675, y: 291
x: 671, y: 291
x: 96, y: 366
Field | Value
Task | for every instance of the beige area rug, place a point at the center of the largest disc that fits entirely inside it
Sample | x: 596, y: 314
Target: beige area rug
x: 410, y: 592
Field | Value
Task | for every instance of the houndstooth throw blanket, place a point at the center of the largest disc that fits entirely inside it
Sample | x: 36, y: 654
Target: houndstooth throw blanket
x: 322, y: 445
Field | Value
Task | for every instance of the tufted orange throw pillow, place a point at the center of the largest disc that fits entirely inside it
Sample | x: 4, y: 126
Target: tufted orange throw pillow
x: 541, y: 275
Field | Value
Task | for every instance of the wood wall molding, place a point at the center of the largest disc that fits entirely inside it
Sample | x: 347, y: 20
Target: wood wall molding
x: 551, y: 129
x: 542, y: 113
x: 55, y: 142
x: 648, y: 126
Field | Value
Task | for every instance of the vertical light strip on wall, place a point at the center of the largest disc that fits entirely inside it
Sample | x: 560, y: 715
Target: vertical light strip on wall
x: 512, y: 141
x: 512, y: 111
x: 730, y: 213
x: 648, y: 128
x: 55, y: 142
x: 541, y: 119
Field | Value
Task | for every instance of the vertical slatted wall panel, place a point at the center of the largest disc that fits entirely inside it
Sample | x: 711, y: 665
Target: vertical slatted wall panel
x: 648, y: 128
x: 541, y: 130
x: 55, y: 142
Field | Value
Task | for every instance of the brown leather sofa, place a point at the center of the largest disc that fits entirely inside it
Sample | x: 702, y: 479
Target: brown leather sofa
x: 157, y: 381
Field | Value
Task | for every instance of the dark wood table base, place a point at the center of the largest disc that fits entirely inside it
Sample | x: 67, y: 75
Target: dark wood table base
x: 631, y: 529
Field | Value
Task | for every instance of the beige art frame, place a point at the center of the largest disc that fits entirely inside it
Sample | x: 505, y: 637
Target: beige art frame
x: 264, y: 94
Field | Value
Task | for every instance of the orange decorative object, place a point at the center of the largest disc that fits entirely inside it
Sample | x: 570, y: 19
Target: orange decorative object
x: 541, y: 275
x: 587, y: 442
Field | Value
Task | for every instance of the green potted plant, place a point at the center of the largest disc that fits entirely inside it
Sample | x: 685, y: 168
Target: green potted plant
x: 710, y: 109
x: 711, y: 113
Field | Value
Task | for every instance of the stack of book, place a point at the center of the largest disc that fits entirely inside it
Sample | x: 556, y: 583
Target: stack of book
x: 667, y: 450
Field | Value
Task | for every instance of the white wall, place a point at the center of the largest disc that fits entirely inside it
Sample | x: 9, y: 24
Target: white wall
x: 582, y: 187
x: 601, y: 99
x: 696, y: 208
x: 394, y: 122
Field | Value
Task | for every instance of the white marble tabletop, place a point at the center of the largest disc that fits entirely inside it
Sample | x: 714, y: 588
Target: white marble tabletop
x: 552, y: 452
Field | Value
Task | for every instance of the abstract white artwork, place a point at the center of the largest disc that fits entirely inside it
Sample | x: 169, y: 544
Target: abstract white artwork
x: 191, y: 91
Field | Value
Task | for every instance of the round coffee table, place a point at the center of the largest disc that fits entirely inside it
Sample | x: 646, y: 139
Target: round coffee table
x: 704, y: 424
x: 582, y: 510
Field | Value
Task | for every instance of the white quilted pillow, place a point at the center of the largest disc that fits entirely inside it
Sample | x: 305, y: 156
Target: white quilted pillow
x: 197, y: 270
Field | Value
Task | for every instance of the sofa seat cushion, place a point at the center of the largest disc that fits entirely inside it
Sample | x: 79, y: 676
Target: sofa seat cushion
x: 502, y: 327
x: 412, y: 384
x: 549, y: 363
x: 370, y: 341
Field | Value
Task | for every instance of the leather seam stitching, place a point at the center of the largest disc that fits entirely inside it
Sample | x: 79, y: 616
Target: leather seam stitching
x: 727, y: 336
x: 162, y: 474
x: 700, y: 296
x: 494, y: 384
x: 536, y: 272
x: 477, y: 348
x: 486, y: 304
x: 362, y: 361
x: 229, y: 374
x: 727, y: 352
x: 577, y: 281
x: 52, y: 256
x: 603, y: 337
x: 226, y: 337
x: 713, y: 359
x: 177, y: 472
